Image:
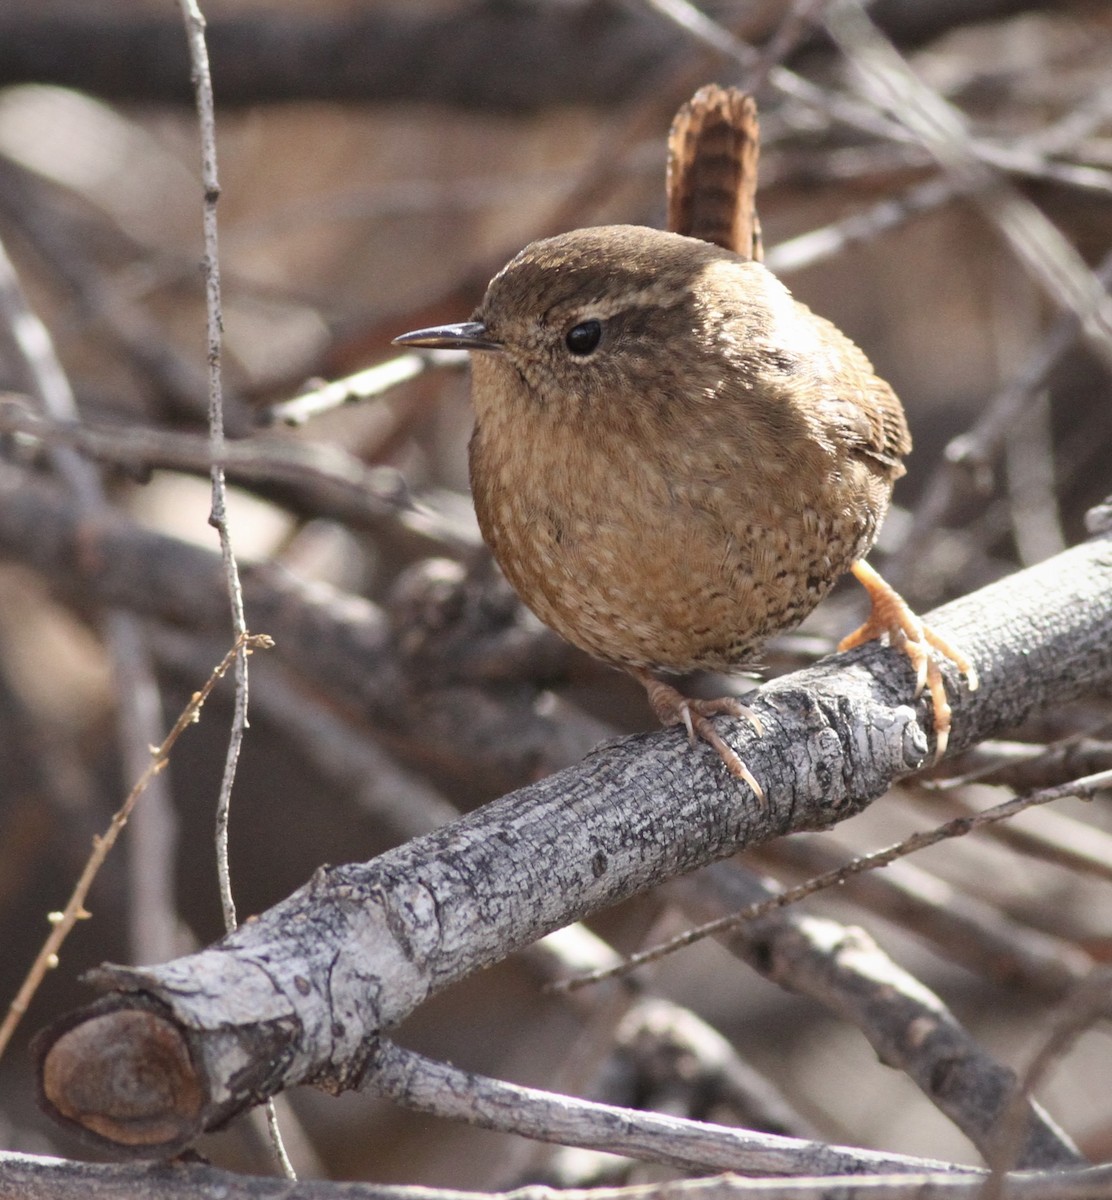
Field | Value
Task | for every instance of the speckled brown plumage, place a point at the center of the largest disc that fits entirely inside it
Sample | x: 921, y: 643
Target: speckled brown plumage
x: 699, y: 481
x: 673, y: 459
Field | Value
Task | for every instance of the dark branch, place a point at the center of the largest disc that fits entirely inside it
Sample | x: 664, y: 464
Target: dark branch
x: 489, y: 55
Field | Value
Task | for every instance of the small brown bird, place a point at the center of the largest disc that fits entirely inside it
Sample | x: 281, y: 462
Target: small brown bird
x: 674, y: 460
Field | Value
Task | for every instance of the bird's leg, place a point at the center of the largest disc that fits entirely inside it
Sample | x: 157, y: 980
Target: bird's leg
x: 672, y: 707
x: 892, y: 616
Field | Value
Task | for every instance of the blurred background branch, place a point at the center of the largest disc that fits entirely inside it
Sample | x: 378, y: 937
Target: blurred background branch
x: 378, y: 163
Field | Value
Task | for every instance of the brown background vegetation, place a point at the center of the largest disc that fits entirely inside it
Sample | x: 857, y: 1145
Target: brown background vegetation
x: 346, y: 220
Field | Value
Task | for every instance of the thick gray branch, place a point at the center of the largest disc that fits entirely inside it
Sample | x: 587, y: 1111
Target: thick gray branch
x: 301, y: 994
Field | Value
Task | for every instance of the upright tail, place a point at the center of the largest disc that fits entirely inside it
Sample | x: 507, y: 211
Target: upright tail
x: 713, y: 149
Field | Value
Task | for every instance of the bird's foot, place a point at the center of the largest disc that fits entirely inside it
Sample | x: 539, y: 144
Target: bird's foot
x: 672, y: 707
x: 892, y: 617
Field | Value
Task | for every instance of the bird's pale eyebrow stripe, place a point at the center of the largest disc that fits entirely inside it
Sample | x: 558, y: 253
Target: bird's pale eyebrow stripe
x: 603, y: 306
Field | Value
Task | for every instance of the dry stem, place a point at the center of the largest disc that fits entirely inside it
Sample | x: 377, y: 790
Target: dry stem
x: 74, y: 910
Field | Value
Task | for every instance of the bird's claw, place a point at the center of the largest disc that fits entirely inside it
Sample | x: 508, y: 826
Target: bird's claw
x: 674, y: 708
x: 893, y: 618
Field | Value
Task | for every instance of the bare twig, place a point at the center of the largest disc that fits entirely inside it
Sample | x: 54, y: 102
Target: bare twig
x: 74, y: 910
x: 958, y: 827
x: 817, y: 245
x: 976, y: 449
x: 202, y: 82
x: 826, y: 104
x: 417, y: 1082
x: 364, y: 385
x: 1051, y: 837
x: 958, y: 926
x: 1035, y: 241
x: 908, y: 1025
x: 794, y: 26
x: 325, y: 480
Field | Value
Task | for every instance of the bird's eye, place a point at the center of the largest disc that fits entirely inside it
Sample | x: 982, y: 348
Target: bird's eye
x: 583, y: 338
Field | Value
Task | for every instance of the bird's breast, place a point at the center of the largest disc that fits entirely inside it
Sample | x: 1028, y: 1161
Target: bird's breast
x: 644, y: 564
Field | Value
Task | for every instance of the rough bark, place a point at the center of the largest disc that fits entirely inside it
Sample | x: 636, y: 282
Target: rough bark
x: 302, y: 993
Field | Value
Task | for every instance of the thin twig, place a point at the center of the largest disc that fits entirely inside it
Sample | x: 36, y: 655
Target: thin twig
x: 826, y: 104
x: 817, y: 245
x: 74, y: 910
x: 363, y: 385
x: 793, y: 27
x: 218, y: 518
x: 1076, y: 846
x: 1033, y: 238
x: 958, y: 827
x: 974, y: 450
x: 958, y: 926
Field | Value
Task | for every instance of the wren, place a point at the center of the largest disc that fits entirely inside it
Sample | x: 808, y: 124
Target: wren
x: 673, y: 459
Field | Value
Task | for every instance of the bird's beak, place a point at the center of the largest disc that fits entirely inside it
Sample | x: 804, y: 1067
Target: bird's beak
x: 469, y: 335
